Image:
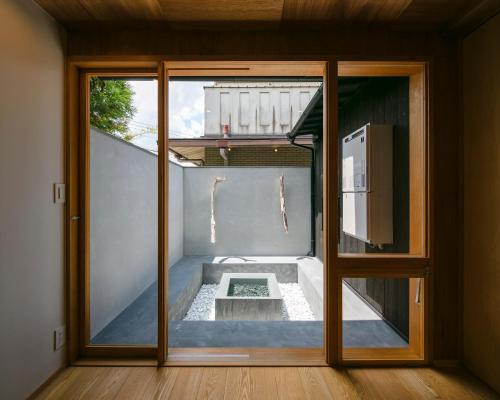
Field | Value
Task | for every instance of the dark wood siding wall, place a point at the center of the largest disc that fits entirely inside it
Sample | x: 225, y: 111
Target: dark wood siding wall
x: 445, y: 124
x: 388, y: 297
x: 381, y: 101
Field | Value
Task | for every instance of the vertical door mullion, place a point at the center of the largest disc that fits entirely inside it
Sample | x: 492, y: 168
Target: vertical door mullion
x: 84, y: 270
x: 333, y: 317
x: 162, y: 214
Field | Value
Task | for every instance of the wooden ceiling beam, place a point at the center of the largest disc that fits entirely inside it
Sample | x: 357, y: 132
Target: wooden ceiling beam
x: 306, y: 10
x: 474, y: 17
x: 222, y: 10
x: 338, y: 10
x: 66, y: 10
x: 376, y: 10
x: 444, y: 15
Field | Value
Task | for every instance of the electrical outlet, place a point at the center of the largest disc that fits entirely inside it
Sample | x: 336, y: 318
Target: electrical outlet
x: 59, y: 193
x: 59, y: 337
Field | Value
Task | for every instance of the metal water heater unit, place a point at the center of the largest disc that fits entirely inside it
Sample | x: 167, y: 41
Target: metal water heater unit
x: 367, y: 184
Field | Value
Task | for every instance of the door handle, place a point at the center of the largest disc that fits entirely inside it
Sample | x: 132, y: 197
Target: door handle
x: 417, y: 295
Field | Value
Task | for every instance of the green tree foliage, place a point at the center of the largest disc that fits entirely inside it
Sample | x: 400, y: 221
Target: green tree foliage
x: 111, y: 105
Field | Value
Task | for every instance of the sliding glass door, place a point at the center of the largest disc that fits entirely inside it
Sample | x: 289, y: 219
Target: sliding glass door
x: 383, y: 254
x: 253, y: 212
x: 245, y: 184
x: 121, y: 211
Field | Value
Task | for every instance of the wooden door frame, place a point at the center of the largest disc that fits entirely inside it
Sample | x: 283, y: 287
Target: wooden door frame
x: 196, y: 67
x: 77, y: 265
x: 75, y: 106
x: 417, y: 264
x: 335, y: 266
x: 86, y: 348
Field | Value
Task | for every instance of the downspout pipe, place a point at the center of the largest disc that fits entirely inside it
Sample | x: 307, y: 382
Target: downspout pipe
x: 291, y: 140
x: 303, y: 128
x: 223, y: 150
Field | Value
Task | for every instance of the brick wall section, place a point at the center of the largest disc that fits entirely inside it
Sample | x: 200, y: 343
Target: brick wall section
x: 286, y: 156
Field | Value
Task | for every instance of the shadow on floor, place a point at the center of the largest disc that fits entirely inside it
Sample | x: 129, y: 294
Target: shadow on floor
x: 137, y: 324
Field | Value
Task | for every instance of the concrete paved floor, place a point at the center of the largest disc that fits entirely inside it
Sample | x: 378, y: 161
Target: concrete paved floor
x: 363, y: 327
x: 137, y: 324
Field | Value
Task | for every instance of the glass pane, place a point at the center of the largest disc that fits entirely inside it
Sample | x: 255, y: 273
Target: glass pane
x: 123, y: 211
x: 245, y: 208
x: 375, y: 312
x: 374, y: 164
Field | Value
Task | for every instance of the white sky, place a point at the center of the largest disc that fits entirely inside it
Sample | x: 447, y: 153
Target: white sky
x: 145, y: 101
x: 186, y: 109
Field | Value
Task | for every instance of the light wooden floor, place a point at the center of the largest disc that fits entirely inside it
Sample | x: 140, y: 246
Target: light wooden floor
x: 286, y: 383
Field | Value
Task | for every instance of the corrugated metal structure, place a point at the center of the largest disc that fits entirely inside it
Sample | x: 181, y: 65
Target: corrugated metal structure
x: 255, y: 108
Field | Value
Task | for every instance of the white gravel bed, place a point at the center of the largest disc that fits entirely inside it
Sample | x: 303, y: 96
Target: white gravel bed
x: 295, y: 305
x: 203, y: 306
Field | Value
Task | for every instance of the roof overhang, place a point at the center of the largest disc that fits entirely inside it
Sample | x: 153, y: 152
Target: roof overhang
x: 236, y: 142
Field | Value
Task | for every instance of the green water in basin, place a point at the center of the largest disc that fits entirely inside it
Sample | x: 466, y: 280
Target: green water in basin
x: 248, y: 288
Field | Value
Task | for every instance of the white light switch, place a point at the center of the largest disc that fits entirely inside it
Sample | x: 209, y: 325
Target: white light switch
x: 59, y: 337
x: 59, y: 193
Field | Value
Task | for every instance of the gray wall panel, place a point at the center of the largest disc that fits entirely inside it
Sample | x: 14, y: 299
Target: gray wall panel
x: 247, y: 211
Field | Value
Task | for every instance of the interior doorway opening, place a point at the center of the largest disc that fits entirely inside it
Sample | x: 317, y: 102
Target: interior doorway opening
x: 242, y: 251
x: 245, y: 200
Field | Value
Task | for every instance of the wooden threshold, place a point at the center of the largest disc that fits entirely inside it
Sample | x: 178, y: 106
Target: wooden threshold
x: 207, y: 357
x: 246, y: 357
x: 115, y: 362
x: 383, y: 356
x: 120, y: 351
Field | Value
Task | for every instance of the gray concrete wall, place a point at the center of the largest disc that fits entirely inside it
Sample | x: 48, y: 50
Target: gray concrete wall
x: 32, y: 225
x: 124, y: 212
x: 247, y: 208
x: 175, y: 213
x: 284, y: 272
x: 124, y: 224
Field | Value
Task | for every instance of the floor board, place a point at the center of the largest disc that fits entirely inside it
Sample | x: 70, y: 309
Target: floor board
x: 262, y: 383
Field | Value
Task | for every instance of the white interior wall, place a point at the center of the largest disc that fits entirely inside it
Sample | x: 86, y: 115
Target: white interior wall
x: 31, y: 225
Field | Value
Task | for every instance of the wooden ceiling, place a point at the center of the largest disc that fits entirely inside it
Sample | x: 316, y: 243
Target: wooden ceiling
x: 412, y: 14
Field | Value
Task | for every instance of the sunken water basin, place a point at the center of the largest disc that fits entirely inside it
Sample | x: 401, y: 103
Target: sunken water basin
x: 248, y: 296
